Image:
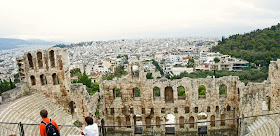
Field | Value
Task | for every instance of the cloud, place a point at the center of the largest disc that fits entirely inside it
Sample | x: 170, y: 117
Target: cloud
x: 71, y: 20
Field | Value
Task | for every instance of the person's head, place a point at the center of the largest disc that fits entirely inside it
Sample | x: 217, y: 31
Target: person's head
x: 44, y: 113
x: 89, y: 120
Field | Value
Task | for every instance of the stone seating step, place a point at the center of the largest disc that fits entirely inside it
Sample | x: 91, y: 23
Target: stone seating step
x: 26, y: 110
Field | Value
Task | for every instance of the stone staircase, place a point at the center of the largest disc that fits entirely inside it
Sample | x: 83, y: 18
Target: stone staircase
x: 27, y: 111
x: 265, y: 126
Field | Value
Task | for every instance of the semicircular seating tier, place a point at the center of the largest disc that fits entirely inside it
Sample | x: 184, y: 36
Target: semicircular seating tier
x: 266, y: 125
x: 27, y: 111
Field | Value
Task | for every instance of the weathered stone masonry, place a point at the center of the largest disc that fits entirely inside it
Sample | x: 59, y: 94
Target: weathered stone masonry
x: 47, y: 71
x: 239, y: 100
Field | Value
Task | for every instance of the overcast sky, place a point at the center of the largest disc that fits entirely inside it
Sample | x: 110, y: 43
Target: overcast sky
x: 86, y: 20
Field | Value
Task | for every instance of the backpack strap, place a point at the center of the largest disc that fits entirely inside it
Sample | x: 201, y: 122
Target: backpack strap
x: 44, y: 123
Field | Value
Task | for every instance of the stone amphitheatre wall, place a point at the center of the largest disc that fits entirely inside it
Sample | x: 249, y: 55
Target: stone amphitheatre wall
x: 239, y: 100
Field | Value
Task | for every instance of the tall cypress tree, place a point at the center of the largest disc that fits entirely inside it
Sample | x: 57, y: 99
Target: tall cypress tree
x: 11, y: 84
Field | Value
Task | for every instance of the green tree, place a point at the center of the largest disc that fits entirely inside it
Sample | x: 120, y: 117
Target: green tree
x: 158, y: 68
x: 258, y: 46
x: 136, y: 92
x: 84, y: 80
x: 190, y: 63
x: 12, y: 84
x: 222, y: 89
x: 94, y: 88
x: 75, y: 72
x: 156, y: 92
x: 181, y: 91
x: 149, y: 76
x: 216, y: 60
x: 201, y: 90
x: 118, y: 92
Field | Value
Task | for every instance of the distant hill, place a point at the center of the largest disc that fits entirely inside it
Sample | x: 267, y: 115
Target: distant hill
x: 10, y: 43
x: 258, y: 46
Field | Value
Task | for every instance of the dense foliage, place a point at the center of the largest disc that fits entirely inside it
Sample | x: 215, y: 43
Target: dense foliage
x: 156, y: 92
x: 119, y: 72
x: 252, y: 75
x: 75, y: 72
x: 149, y: 76
x: 222, y: 89
x: 5, y: 85
x: 201, y: 90
x: 92, y: 88
x: 117, y: 92
x: 181, y: 91
x: 158, y: 68
x: 190, y: 63
x: 258, y: 46
x: 137, y: 92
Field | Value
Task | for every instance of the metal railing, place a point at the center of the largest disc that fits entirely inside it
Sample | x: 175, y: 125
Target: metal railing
x: 21, y: 128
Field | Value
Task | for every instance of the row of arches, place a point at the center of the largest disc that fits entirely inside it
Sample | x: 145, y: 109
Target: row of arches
x: 168, y: 92
x: 169, y: 120
x: 43, y: 79
x: 40, y: 59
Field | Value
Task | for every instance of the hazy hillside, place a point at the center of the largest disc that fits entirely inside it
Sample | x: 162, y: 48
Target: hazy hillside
x: 10, y: 43
x: 258, y: 46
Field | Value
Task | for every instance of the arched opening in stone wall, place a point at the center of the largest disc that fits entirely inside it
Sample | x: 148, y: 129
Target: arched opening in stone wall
x: 208, y: 108
x: 117, y: 92
x: 228, y: 108
x: 55, y: 77
x: 119, y: 121
x: 223, y: 89
x: 72, y: 107
x: 212, y: 123
x: 52, y: 60
x: 137, y: 121
x: 170, y: 119
x: 181, y: 121
x: 238, y: 93
x: 223, y: 123
x: 157, y: 122
x: 201, y: 91
x: 148, y: 121
x: 217, y: 109
x: 43, y: 79
x: 169, y: 95
x: 136, y: 92
x: 191, y: 120
x: 187, y: 109
x: 128, y: 122
x: 156, y: 91
x: 135, y: 70
x: 40, y: 59
x: 268, y: 102
x: 33, y: 81
x: 181, y: 92
x: 30, y: 60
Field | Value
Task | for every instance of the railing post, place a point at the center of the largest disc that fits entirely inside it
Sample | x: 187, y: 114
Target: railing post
x: 103, y: 131
x: 21, y: 130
